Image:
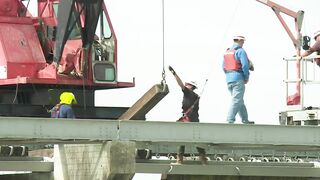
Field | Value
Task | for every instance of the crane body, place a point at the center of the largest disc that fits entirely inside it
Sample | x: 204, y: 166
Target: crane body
x: 57, y: 50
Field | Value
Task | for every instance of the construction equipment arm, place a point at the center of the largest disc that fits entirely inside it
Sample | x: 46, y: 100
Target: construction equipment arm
x: 296, y: 40
x: 298, y: 18
x: 85, y: 14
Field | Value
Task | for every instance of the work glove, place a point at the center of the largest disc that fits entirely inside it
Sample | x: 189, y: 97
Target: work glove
x: 172, y: 71
x: 251, y: 67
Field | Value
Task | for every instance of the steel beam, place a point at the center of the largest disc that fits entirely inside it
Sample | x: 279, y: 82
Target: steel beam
x: 19, y: 130
x: 68, y: 131
x: 235, y: 137
x: 220, y: 134
x: 232, y: 169
x: 33, y: 166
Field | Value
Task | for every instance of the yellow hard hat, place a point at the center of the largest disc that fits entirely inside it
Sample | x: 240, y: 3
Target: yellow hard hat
x: 67, y: 98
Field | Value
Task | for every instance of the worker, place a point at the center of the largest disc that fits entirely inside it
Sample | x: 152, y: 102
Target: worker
x: 190, y: 108
x: 64, y: 108
x: 236, y: 67
x: 314, y: 48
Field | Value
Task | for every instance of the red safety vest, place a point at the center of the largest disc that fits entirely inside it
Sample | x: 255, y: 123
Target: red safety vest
x: 230, y: 62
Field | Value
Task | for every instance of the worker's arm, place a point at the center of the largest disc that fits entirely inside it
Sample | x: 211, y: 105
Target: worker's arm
x: 312, y: 49
x: 307, y: 53
x: 243, y: 58
x: 179, y: 81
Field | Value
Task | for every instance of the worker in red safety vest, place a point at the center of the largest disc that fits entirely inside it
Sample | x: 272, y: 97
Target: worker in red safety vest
x: 314, y: 48
x: 236, y: 66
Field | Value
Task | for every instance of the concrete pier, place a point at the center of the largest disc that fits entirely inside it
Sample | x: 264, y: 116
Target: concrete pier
x: 113, y: 160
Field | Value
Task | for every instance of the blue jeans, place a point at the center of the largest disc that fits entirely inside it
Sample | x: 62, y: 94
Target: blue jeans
x: 237, y: 90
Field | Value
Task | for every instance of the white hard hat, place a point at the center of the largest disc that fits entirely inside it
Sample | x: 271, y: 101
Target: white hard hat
x: 239, y: 38
x: 193, y: 83
x: 316, y: 34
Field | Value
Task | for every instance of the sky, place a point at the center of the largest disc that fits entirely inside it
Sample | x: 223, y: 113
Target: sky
x: 196, y: 34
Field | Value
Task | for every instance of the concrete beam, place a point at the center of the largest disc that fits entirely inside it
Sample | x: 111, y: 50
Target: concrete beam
x: 151, y: 98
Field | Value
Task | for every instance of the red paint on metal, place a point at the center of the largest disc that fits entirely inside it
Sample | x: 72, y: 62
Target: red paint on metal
x: 46, y: 12
x: 23, y: 58
x: 9, y: 8
x: 71, y: 59
x: 296, y: 98
x: 21, y: 52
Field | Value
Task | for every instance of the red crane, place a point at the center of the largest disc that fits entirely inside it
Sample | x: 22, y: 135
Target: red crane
x: 57, y: 50
x: 296, y: 40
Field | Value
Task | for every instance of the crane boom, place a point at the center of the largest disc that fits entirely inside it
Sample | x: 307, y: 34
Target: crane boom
x: 298, y: 18
x: 90, y: 10
x: 296, y: 40
x: 279, y: 7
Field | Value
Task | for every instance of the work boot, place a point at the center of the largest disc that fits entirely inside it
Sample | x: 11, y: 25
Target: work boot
x: 179, y: 160
x: 248, y: 122
x: 203, y: 159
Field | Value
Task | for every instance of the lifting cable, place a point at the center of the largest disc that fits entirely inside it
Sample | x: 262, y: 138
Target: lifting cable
x: 163, y: 82
x: 221, y: 49
x: 233, y: 16
x: 16, y: 93
x: 223, y: 38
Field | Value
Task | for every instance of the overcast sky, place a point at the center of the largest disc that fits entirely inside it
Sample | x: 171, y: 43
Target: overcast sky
x: 197, y: 32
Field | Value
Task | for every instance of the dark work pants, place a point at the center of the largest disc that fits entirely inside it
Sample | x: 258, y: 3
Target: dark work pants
x: 182, y: 148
